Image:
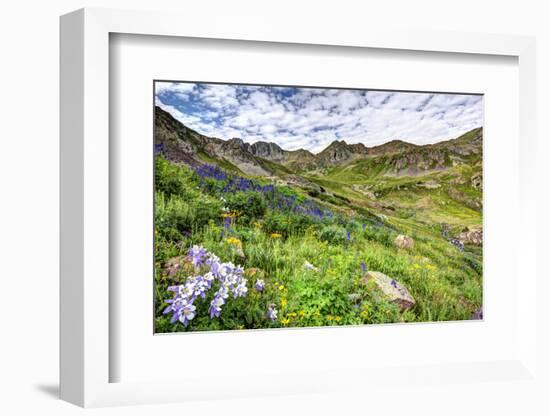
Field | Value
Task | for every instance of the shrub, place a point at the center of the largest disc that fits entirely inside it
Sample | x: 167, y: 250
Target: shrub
x: 276, y: 222
x: 175, y: 216
x: 333, y: 234
x: 171, y: 179
x: 249, y: 205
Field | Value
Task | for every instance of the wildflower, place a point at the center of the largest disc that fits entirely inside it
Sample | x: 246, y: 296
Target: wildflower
x: 240, y: 289
x: 234, y: 241
x: 272, y: 312
x: 283, y: 302
x: 197, y: 254
x: 275, y: 235
x: 363, y: 267
x: 230, y: 278
x: 227, y: 223
x: 216, y: 306
x: 302, y: 313
x: 330, y: 318
x: 416, y: 266
x: 337, y: 318
x: 394, y: 283
x: 259, y: 286
x: 187, y: 313
x: 281, y: 287
x: 285, y: 321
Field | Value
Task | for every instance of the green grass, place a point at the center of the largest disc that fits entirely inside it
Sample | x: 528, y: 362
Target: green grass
x: 446, y: 283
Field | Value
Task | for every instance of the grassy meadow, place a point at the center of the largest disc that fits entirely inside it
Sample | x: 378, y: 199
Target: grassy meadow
x: 304, y: 255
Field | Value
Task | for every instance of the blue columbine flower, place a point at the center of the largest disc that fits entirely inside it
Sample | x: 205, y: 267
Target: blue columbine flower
x: 230, y: 278
x: 272, y: 312
x: 197, y: 254
x: 187, y: 313
x: 259, y: 286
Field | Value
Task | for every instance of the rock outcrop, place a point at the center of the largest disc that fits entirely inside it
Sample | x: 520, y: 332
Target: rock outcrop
x: 404, y: 242
x: 472, y: 236
x: 393, y: 290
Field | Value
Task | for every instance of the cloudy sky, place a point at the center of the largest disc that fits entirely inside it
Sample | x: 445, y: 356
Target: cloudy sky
x: 311, y: 118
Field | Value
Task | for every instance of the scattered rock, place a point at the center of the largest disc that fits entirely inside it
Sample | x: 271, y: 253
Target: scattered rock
x: 478, y: 314
x: 477, y: 181
x: 239, y: 252
x: 392, y: 289
x: 429, y: 184
x: 354, y: 297
x: 472, y: 236
x: 309, y: 266
x: 403, y: 241
x: 179, y: 265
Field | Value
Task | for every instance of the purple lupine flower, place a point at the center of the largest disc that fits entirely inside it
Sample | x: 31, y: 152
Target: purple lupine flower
x: 260, y: 284
x: 363, y: 267
x: 272, y: 312
x: 197, y: 254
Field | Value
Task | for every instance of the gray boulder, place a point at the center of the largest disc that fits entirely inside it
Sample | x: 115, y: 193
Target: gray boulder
x: 392, y: 289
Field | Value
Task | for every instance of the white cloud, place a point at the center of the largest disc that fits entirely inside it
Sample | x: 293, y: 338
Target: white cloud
x: 312, y: 118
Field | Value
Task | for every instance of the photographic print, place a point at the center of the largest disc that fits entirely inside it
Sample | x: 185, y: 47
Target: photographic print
x: 286, y: 206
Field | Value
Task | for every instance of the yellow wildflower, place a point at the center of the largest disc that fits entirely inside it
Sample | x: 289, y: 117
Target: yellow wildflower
x: 234, y: 241
x: 302, y: 313
x: 430, y: 266
x: 281, y: 287
x: 275, y: 235
x: 337, y: 318
x: 283, y: 302
x: 285, y: 321
x: 330, y: 317
x: 292, y: 315
x: 416, y: 266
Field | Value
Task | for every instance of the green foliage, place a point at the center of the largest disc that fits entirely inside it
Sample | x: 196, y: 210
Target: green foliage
x: 249, y: 205
x: 171, y: 179
x: 275, y: 245
x: 333, y: 234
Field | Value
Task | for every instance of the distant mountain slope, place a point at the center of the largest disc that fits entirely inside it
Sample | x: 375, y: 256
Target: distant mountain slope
x: 395, y: 158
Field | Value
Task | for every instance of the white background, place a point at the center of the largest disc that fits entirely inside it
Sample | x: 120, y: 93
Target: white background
x: 139, y: 60
x: 29, y: 163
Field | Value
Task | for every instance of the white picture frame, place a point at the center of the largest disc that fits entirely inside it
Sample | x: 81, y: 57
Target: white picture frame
x: 85, y: 204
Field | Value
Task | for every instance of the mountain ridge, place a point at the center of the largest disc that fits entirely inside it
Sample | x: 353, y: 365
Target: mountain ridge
x: 182, y: 144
